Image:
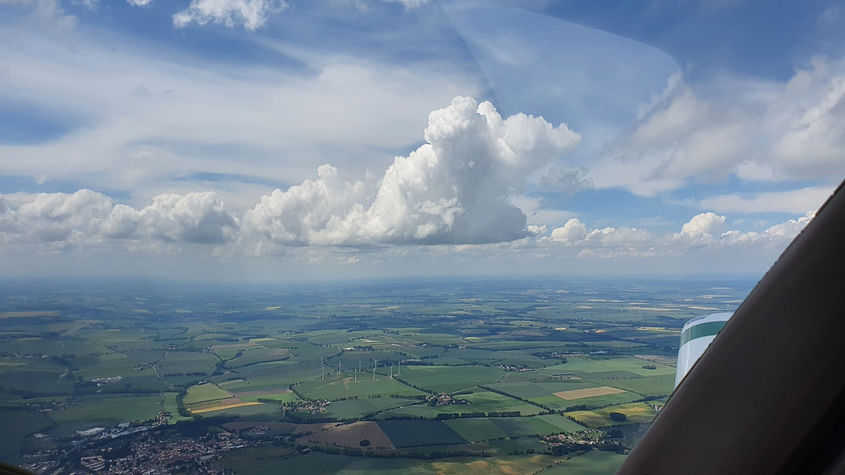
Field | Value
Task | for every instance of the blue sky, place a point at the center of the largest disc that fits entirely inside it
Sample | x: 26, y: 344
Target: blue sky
x: 275, y: 139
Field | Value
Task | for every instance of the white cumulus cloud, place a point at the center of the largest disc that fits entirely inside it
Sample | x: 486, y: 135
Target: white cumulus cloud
x: 703, y: 225
x: 251, y: 14
x: 55, y: 219
x: 702, y: 231
x: 574, y: 231
x: 198, y: 217
x: 46, y: 221
x: 455, y: 188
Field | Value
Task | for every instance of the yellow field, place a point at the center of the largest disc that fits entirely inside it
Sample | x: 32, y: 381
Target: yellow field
x: 498, y: 465
x: 573, y: 394
x: 636, y: 412
x: 225, y: 405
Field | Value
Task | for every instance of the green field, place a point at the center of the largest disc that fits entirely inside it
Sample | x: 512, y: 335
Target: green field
x: 256, y: 412
x: 105, y: 366
x: 278, y: 375
x: 18, y: 424
x: 594, y: 462
x: 183, y: 362
x: 414, y: 433
x: 647, y: 386
x: 271, y: 461
x: 591, y: 366
x: 485, y: 402
x: 170, y: 405
x: 357, y: 408
x: 109, y: 411
x: 281, y: 397
x: 535, y: 425
x: 488, y: 401
x: 513, y: 355
x: 29, y: 378
x: 638, y: 412
x: 543, y: 393
x: 475, y: 429
x: 346, y: 387
x: 449, y: 379
x: 203, y: 393
x: 258, y: 355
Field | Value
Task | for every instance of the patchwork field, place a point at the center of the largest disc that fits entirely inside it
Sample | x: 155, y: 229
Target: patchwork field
x: 647, y: 386
x: 283, y: 396
x: 356, y: 408
x: 595, y: 462
x: 574, y: 394
x: 415, y: 433
x: 482, y: 429
x: 258, y: 355
x: 476, y: 429
x: 535, y: 425
x: 346, y: 387
x: 512, y: 356
x: 111, y: 410
x: 638, y: 412
x: 251, y: 411
x: 488, y: 401
x: 205, y: 392
x: 183, y: 362
x: 363, y: 434
x: 597, y: 367
x: 273, y: 376
x: 28, y: 377
x: 266, y: 462
x: 221, y: 406
x: 171, y: 406
x: 449, y: 379
x: 583, y: 394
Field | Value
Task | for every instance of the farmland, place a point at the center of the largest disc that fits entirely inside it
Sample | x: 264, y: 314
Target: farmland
x: 205, y: 392
x: 414, y: 433
x: 449, y: 377
x: 346, y: 387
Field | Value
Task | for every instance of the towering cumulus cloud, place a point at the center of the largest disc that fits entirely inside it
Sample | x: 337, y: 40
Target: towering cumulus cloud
x: 452, y: 189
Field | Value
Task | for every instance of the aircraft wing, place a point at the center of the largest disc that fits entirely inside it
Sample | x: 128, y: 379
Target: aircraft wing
x: 768, y: 396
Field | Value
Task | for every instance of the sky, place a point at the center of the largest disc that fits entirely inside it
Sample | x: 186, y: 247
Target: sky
x: 287, y: 140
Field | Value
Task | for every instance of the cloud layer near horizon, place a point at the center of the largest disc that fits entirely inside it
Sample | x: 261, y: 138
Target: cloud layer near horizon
x: 49, y: 222
x: 453, y: 189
